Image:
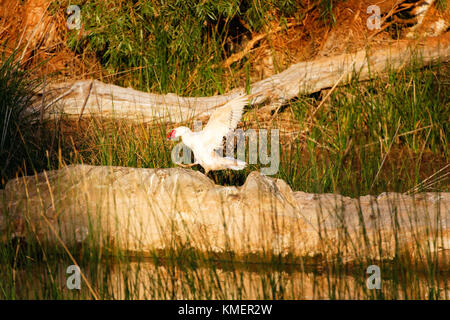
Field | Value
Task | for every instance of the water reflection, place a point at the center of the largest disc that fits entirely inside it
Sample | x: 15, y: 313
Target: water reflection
x: 147, y: 280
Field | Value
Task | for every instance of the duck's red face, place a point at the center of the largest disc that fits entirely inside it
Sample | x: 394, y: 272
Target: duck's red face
x: 171, y: 135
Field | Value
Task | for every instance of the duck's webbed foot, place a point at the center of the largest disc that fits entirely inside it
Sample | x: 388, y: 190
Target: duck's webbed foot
x: 185, y: 165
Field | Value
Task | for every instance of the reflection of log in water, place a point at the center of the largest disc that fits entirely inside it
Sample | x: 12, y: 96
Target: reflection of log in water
x: 97, y: 98
x: 145, y: 280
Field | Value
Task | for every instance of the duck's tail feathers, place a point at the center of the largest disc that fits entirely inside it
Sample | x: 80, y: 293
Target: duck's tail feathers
x: 236, y: 164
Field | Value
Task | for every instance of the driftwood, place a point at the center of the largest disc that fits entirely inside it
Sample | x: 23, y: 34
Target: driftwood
x: 92, y: 97
x: 143, y: 210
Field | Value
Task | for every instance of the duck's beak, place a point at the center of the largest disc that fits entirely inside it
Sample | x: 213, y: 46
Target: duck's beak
x: 171, y: 135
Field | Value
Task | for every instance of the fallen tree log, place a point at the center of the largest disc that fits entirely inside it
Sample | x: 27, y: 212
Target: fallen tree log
x: 143, y: 210
x: 92, y: 97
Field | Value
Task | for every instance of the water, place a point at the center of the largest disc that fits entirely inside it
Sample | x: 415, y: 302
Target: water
x: 147, y: 280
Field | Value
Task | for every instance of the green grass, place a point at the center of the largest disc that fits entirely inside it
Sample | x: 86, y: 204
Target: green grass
x: 164, y: 46
x: 19, y: 125
x: 175, y: 46
x: 441, y: 4
x: 387, y: 134
x: 327, y: 14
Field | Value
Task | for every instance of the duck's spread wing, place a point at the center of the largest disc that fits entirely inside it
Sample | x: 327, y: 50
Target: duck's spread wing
x: 222, y: 122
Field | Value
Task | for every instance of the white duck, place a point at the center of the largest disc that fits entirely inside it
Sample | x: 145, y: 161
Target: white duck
x: 204, y: 143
